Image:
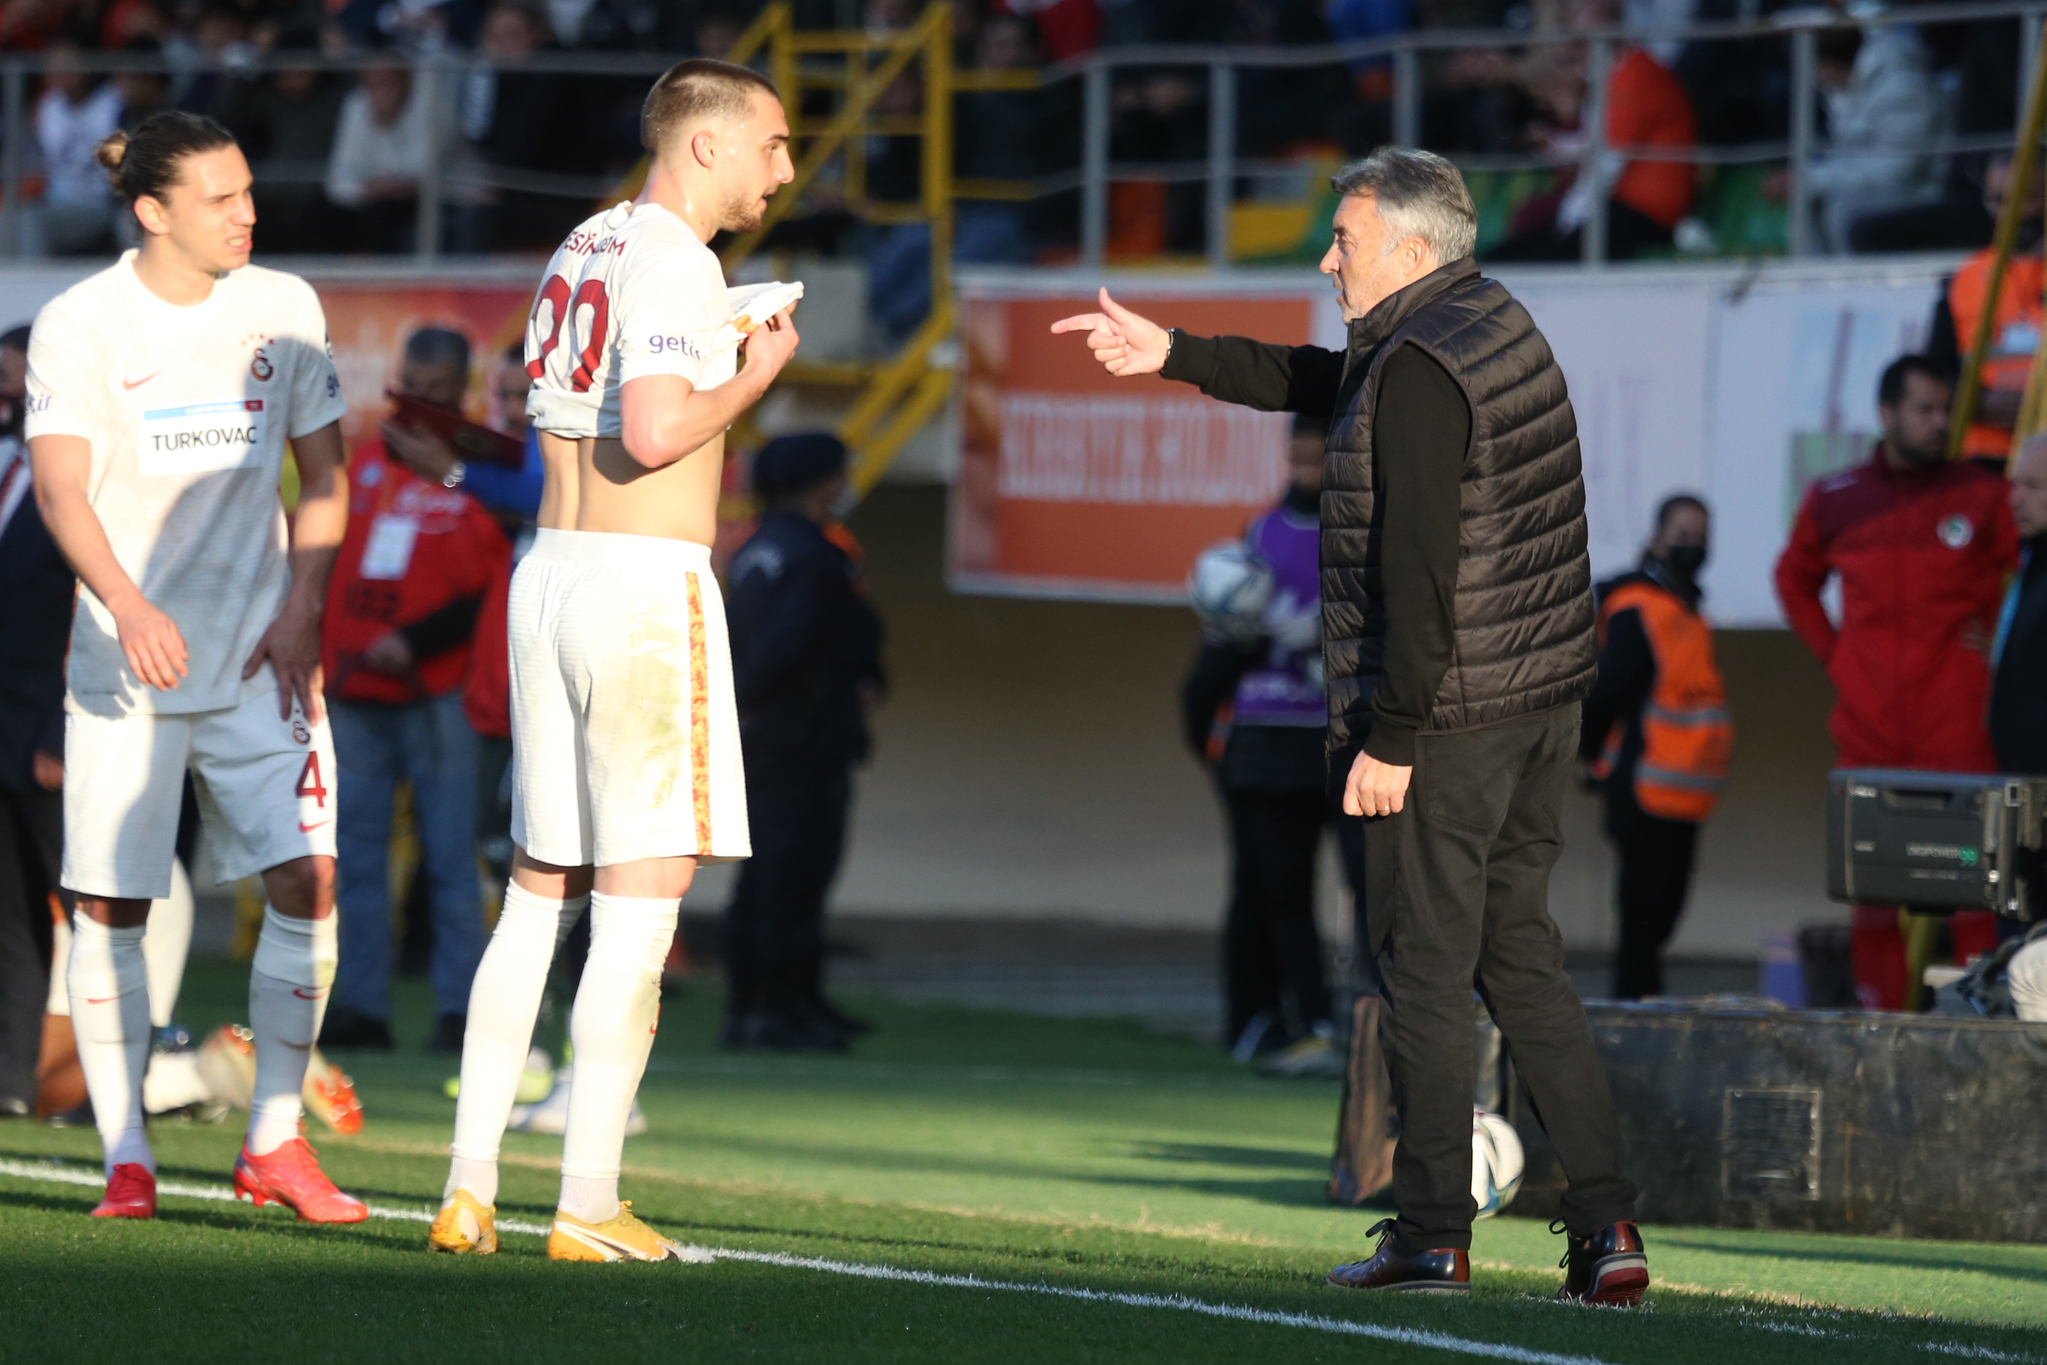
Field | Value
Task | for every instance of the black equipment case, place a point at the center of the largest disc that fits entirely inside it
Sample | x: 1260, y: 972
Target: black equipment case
x: 1934, y: 841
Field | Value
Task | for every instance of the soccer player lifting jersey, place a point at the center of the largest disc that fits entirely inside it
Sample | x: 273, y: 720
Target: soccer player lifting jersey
x: 161, y: 394
x: 625, y: 738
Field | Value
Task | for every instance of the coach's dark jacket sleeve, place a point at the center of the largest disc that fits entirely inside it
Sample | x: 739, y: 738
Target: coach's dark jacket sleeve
x: 1420, y: 433
x: 1257, y: 374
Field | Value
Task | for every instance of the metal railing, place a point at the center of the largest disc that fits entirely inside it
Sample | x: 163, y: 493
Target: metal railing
x: 1405, y: 52
x: 790, y: 60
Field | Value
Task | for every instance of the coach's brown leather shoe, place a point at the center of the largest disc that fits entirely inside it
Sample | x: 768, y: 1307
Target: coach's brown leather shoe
x: 1443, y: 1271
x: 1609, y: 1268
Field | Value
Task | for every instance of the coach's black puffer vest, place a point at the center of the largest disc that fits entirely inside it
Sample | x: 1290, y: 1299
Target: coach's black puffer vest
x: 1524, y: 619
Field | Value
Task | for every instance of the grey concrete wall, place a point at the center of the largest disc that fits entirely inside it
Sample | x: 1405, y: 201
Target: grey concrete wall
x: 1028, y: 763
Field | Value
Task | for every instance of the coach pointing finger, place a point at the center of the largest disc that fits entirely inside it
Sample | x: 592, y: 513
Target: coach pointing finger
x: 1457, y: 626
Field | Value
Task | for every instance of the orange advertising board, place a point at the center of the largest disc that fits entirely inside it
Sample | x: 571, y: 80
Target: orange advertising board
x: 367, y: 323
x: 1073, y: 483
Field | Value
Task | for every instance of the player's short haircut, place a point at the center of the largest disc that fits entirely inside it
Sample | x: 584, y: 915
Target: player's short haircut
x: 698, y: 89
x: 1677, y: 502
x: 438, y: 346
x: 15, y: 339
x: 1890, y: 389
x: 143, y: 164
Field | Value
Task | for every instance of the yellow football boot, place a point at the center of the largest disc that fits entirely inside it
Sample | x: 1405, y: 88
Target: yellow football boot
x: 464, y: 1225
x: 622, y: 1238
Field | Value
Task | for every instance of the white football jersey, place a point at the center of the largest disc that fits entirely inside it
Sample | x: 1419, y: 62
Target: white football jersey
x: 631, y: 292
x: 187, y: 410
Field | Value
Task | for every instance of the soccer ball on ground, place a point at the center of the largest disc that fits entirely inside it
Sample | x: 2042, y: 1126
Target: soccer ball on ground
x: 1231, y: 590
x: 1496, y: 1162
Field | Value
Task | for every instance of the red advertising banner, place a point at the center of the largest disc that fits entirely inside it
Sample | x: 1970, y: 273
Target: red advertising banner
x: 1073, y: 483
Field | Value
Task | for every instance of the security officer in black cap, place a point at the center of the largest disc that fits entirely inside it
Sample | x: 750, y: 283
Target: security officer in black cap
x: 806, y: 663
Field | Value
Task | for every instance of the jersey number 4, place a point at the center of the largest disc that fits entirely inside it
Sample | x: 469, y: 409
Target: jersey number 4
x: 591, y: 293
x: 310, y: 783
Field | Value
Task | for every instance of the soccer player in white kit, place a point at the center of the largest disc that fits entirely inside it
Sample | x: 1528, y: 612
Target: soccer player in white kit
x: 625, y: 736
x: 161, y: 394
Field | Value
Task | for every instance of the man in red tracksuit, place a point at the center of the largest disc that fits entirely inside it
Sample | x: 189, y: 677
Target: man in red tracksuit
x: 1922, y: 545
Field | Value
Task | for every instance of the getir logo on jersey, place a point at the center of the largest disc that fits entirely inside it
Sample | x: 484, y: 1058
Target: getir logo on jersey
x: 200, y: 438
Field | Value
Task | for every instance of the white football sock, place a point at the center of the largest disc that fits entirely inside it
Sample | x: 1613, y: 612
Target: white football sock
x: 288, y: 986
x: 109, y: 988
x: 617, y: 1008
x: 167, y: 944
x: 504, y: 1001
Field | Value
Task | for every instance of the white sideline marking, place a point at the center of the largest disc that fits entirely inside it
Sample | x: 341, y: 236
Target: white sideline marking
x: 1405, y: 1336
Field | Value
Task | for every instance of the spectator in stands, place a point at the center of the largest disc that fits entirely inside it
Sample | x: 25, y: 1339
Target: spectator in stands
x: 2014, y: 323
x: 414, y: 569
x: 521, y: 120
x: 1066, y: 28
x: 806, y: 666
x: 1656, y: 735
x: 143, y: 92
x: 1922, y: 544
x: 1256, y: 714
x: 211, y: 60
x: 73, y: 116
x: 36, y: 589
x: 389, y: 138
x: 997, y: 137
x: 1982, y: 61
x: 1643, y: 106
x: 286, y: 124
x: 1883, y: 106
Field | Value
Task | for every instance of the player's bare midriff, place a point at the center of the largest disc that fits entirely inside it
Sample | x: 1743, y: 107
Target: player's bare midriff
x: 678, y: 502
x: 559, y: 457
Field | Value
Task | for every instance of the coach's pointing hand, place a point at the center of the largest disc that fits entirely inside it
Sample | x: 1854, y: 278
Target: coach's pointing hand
x: 1125, y: 343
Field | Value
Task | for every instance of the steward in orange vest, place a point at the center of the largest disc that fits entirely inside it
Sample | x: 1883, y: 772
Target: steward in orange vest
x: 1657, y: 734
x: 2014, y: 324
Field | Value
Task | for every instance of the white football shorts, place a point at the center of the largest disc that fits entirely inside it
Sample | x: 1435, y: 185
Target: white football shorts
x: 625, y: 736
x: 265, y: 787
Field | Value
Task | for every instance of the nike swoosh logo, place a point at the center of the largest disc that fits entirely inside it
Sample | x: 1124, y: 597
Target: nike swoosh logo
x: 109, y: 1000
x: 305, y: 828
x: 138, y: 383
x: 302, y: 994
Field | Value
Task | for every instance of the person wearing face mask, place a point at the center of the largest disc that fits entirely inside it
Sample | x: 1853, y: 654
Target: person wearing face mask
x: 1656, y: 735
x: 1922, y: 545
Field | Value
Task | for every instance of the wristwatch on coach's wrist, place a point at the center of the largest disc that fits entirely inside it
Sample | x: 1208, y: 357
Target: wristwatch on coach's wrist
x: 453, y: 478
x: 1172, y: 335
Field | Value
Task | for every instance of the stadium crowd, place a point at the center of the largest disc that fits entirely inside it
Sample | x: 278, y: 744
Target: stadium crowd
x: 340, y: 155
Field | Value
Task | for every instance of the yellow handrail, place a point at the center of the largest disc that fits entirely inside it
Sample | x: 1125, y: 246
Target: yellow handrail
x: 899, y: 395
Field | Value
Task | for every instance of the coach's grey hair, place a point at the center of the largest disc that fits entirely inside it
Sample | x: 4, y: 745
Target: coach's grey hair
x: 1420, y: 195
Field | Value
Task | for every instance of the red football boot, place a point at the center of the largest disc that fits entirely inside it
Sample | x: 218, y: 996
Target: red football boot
x: 131, y: 1193
x: 291, y: 1177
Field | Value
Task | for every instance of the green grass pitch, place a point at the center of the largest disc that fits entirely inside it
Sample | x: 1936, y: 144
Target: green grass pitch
x: 1014, y: 1163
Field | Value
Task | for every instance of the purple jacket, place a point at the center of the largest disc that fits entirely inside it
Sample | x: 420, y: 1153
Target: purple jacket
x: 1287, y: 688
